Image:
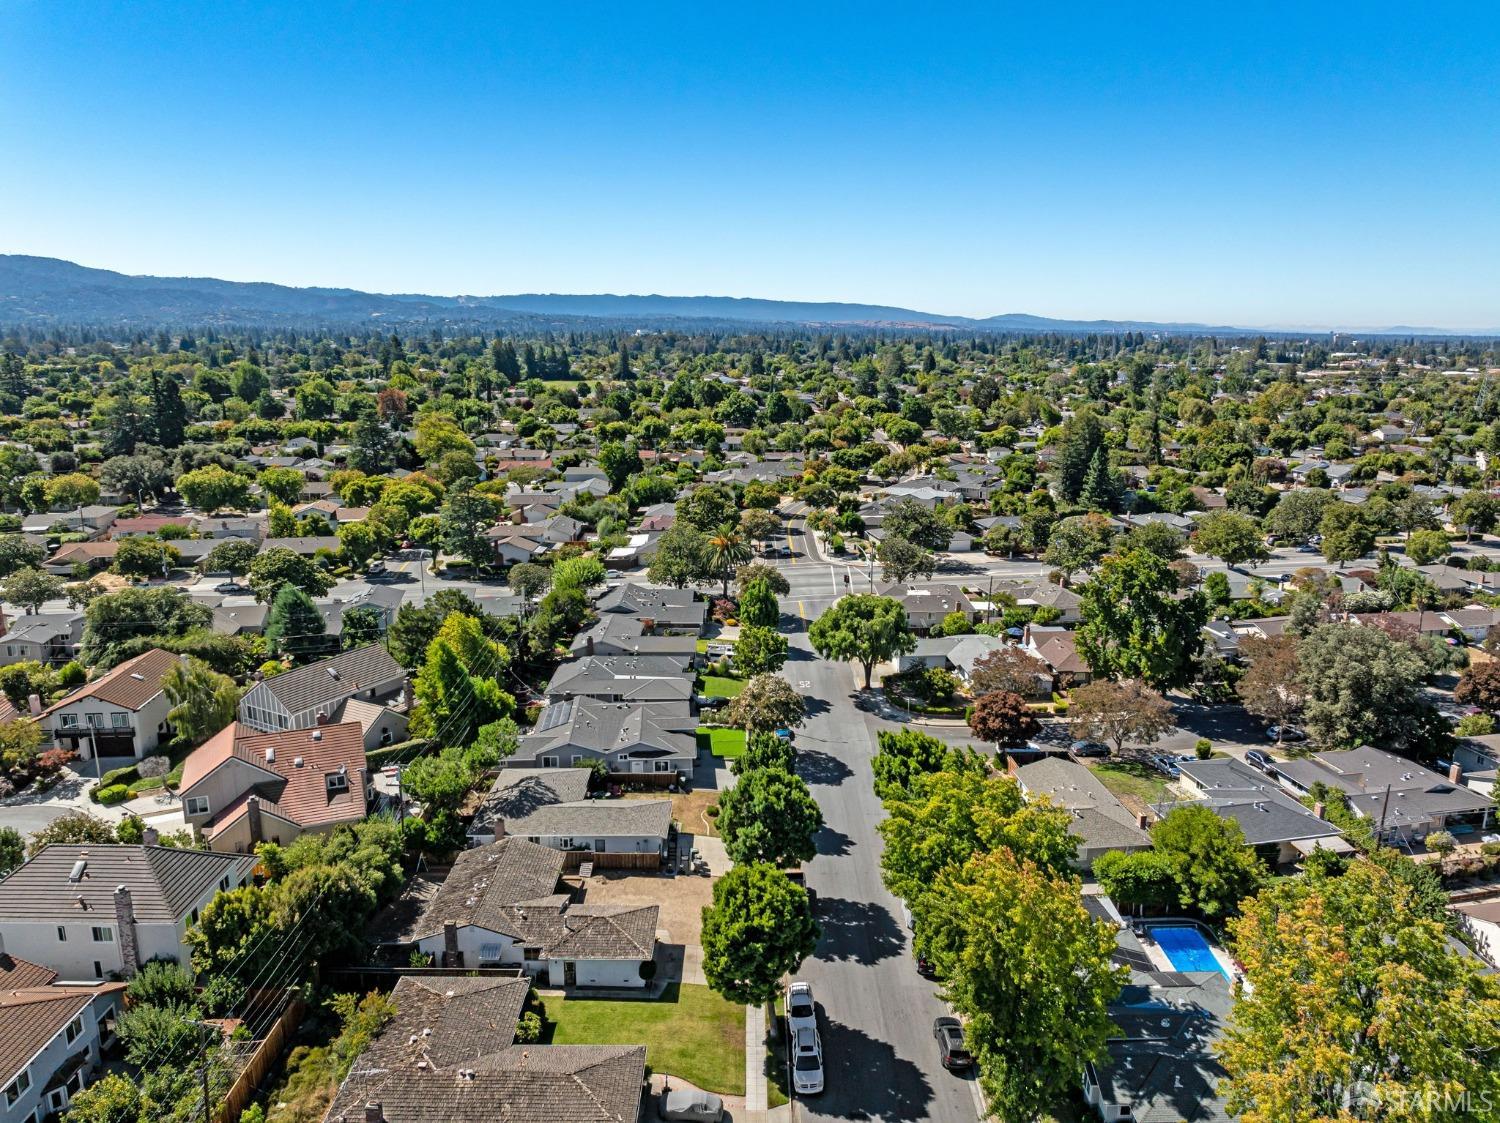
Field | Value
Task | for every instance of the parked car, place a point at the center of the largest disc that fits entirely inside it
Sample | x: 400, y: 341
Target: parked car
x: 375, y: 568
x: 1166, y: 764
x: 1257, y: 759
x: 684, y: 1106
x: 801, y: 1008
x: 231, y: 588
x: 1088, y: 748
x: 1285, y: 733
x: 953, y: 1050
x: 807, y: 1062
x: 800, y: 878
x: 925, y: 967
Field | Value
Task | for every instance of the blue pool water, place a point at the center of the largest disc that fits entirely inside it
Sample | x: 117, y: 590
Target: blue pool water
x: 1185, y: 948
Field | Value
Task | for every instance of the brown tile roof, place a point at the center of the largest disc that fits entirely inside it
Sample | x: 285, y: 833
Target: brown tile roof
x: 212, y: 753
x: 19, y: 974
x: 130, y: 685
x: 300, y: 795
x: 76, y: 552
x: 32, y: 1016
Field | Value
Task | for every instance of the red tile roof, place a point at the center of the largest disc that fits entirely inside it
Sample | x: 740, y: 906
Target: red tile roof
x: 131, y: 685
x: 300, y: 794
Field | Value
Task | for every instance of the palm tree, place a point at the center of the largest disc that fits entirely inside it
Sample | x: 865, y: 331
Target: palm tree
x: 727, y: 551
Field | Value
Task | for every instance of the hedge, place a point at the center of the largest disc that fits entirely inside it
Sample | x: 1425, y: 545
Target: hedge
x: 114, y: 793
x: 380, y: 757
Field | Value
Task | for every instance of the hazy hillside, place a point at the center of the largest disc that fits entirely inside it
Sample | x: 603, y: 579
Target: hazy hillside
x: 39, y: 290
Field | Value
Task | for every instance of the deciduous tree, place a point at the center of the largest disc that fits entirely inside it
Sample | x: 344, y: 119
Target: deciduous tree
x: 1271, y: 686
x: 1357, y: 1003
x: 767, y: 702
x: 1230, y: 536
x: 1002, y: 718
x: 1116, y: 712
x: 31, y: 588
x: 281, y: 566
x: 1362, y: 686
x: 901, y: 560
x: 769, y: 816
x: 863, y: 629
x: 759, y: 928
x: 759, y: 651
x: 1136, y: 625
x: 203, y: 701
x: 212, y: 488
x: 1008, y: 668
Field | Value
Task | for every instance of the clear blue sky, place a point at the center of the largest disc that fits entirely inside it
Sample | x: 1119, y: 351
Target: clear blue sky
x: 1247, y: 163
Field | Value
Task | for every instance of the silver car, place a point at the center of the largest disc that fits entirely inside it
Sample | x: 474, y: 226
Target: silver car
x: 690, y: 1106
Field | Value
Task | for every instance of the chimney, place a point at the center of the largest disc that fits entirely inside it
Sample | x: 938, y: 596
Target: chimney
x: 1320, y: 809
x: 252, y: 816
x: 588, y: 645
x: 373, y: 1113
x: 150, y: 836
x: 452, y: 957
x: 499, y: 828
x: 1010, y: 764
x: 322, y: 717
x: 34, y: 704
x: 125, y: 924
x: 1455, y: 773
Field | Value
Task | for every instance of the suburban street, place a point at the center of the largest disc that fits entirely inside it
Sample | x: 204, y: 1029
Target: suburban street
x: 879, y: 1055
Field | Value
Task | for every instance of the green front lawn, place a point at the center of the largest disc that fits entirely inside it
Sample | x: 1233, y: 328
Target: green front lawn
x: 727, y: 743
x: 689, y: 1032
x: 1127, y: 777
x: 715, y: 686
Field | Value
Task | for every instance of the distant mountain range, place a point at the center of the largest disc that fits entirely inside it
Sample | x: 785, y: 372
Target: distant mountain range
x: 41, y: 291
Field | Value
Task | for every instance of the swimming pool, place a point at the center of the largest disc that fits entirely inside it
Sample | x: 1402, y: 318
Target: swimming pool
x: 1185, y: 948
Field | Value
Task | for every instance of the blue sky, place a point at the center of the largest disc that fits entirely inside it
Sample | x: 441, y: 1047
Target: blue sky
x: 1248, y: 164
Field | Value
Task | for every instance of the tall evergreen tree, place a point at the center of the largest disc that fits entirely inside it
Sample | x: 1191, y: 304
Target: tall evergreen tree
x: 168, y: 413
x: 294, y: 626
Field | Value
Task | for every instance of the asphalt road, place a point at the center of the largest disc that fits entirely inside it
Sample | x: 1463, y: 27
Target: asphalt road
x: 876, y: 1012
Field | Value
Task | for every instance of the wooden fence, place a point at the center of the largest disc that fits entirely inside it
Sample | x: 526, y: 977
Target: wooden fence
x: 572, y: 859
x: 267, y: 1050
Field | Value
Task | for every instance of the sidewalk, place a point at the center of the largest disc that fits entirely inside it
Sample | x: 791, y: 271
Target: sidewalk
x: 755, y: 1066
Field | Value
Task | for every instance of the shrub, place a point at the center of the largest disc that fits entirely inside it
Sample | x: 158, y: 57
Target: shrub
x: 71, y: 674
x: 1060, y: 709
x: 114, y: 793
x: 1489, y: 848
x: 712, y: 810
x: 1441, y: 842
x: 1204, y: 748
x: 529, y: 1026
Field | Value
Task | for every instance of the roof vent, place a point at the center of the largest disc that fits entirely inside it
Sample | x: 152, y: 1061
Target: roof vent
x: 271, y: 754
x: 296, y: 762
x: 137, y: 676
x: 317, y: 734
x: 333, y: 672
x: 426, y: 1031
x: 79, y: 868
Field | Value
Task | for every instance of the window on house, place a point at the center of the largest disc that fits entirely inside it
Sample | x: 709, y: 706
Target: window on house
x: 224, y: 884
x: 73, y: 1029
x: 68, y: 721
x: 96, y: 721
x: 62, y: 934
x: 103, y: 935
x: 98, y: 970
x: 17, y: 1088
x: 119, y: 721
x: 664, y: 766
x: 549, y: 762
x: 195, y: 805
x: 337, y: 782
x: 192, y: 918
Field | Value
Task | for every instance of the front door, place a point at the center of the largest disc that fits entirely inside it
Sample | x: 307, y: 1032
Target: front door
x: 570, y: 973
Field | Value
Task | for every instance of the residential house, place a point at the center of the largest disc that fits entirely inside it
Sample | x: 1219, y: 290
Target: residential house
x: 630, y: 739
x: 1057, y: 648
x: 956, y: 654
x: 242, y: 787
x: 1270, y: 818
x: 90, y: 910
x: 1162, y: 1063
x: 52, y: 1038
x: 121, y: 713
x: 668, y: 611
x: 1404, y: 800
x: 41, y: 637
x: 596, y: 829
x: 310, y: 695
x: 1100, y: 821
x: 449, y: 1056
x: 632, y: 635
x: 500, y: 906
x: 623, y: 678
x: 520, y: 790
x: 927, y: 606
x: 638, y: 550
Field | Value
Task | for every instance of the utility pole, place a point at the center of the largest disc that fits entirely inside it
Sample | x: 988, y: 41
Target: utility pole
x: 400, y: 799
x: 203, y: 1073
x: 1384, y: 803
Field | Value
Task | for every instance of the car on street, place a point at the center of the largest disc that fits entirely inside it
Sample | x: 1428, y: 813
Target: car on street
x: 807, y: 1062
x: 801, y: 1007
x: 1257, y: 759
x: 1088, y: 748
x: 231, y: 588
x: 683, y: 1105
x: 375, y: 568
x: 925, y: 967
x: 1285, y: 733
x: 953, y: 1050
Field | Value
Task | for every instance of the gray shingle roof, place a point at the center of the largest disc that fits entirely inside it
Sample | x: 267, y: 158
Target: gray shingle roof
x: 598, y: 818
x: 164, y: 882
x: 610, y: 727
x: 486, y: 884
x: 333, y: 680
